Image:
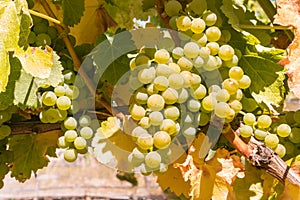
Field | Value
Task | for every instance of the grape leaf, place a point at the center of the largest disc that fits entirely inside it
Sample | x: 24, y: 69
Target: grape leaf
x: 25, y: 30
x: 72, y: 11
x: 261, y: 71
x: 30, y: 153
x: 234, y: 11
x: 4, y: 67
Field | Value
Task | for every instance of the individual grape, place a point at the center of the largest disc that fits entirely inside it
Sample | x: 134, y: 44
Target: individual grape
x: 70, y: 123
x: 69, y: 76
x: 146, y: 76
x: 209, y: 102
x: 5, y: 131
x: 136, y: 157
x: 246, y: 131
x: 236, y: 105
x: 60, y: 90
x: 195, y: 80
x: 199, y: 92
x: 141, y: 97
x: 231, y: 85
x: 31, y: 38
x: 204, y: 52
x: 231, y: 63
x: 222, y: 95
x: 249, y: 119
x: 80, y: 143
x: 297, y: 116
x: 237, y: 96
x: 63, y: 103
x: 198, y: 62
x: 177, y: 52
x: 226, y: 52
x: 62, y: 143
x: 280, y: 150
x: 42, y: 40
x: 84, y: 120
x: 161, y: 83
x: 188, y: 77
x: 156, y: 118
x: 204, y: 119
x: 172, y: 8
x: 137, y: 131
x: 225, y: 36
x: 289, y: 146
x: 170, y: 96
x: 145, y: 141
x: 236, y: 73
x: 230, y: 115
x: 70, y: 155
x: 289, y: 117
x: 183, y: 95
x: 264, y: 121
x: 209, y: 18
x: 198, y: 6
x: 39, y: 28
x: 171, y: 112
x: 185, y: 64
x: 151, y: 90
x: 283, y: 130
x: 49, y: 98
x: 176, y: 81
x: 213, y: 47
x: 183, y: 23
x: 244, y: 82
x: 86, y: 132
x: 198, y: 25
x: 145, y: 122
x: 294, y: 136
x: 52, y: 115
x: 191, y: 50
x: 152, y: 160
x: 164, y: 70
x: 172, y: 22
x: 156, y: 102
x: 141, y: 59
x: 161, y: 56
x: 52, y: 32
x: 137, y: 112
x: 189, y: 131
x: 271, y: 140
x: 169, y: 126
x: 214, y: 89
x: 213, y: 33
x: 193, y: 105
x: 161, y: 139
x: 174, y: 67
x: 70, y: 135
x: 201, y: 40
x: 260, y: 134
x: 221, y: 109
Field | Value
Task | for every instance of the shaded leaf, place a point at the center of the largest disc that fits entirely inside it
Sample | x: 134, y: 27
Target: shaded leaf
x: 72, y: 11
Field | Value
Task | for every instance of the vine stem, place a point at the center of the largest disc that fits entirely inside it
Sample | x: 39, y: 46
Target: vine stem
x: 262, y: 156
x: 265, y: 27
x: 41, y: 15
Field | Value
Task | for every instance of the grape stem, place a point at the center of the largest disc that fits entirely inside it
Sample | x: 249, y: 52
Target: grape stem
x: 265, y: 27
x: 32, y: 12
x: 36, y: 127
x: 260, y: 156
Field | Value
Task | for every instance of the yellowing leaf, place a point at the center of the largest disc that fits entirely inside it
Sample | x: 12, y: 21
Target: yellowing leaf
x: 4, y: 68
x: 36, y: 61
x: 290, y: 192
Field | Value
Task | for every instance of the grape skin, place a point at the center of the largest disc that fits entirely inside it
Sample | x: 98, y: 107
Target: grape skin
x: 283, y: 130
x: 156, y: 102
x: 63, y: 103
x: 70, y: 123
x: 70, y: 155
x: 153, y: 160
x: 198, y: 25
x: 145, y: 141
x: 271, y: 140
x: 264, y: 121
x: 213, y: 33
x: 246, y: 131
x: 191, y: 50
x: 249, y: 119
x: 161, y: 139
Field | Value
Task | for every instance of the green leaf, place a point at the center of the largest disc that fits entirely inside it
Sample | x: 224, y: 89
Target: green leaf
x: 72, y: 11
x: 25, y: 30
x: 261, y: 71
x: 233, y: 13
x: 30, y: 153
x: 147, y: 4
x: 4, y: 68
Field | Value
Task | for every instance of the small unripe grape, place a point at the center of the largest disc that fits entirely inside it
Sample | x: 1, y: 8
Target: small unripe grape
x: 176, y: 81
x: 260, y: 134
x: 185, y: 64
x: 146, y: 76
x: 200, y: 92
x: 70, y: 135
x: 264, y: 121
x: 63, y: 103
x: 171, y: 112
x: 70, y: 123
x: 161, y: 83
x: 236, y: 105
x: 62, y: 143
x: 49, y: 98
x: 60, y: 90
x: 177, y: 52
x: 210, y: 18
x: 223, y: 95
x: 221, y: 109
x: 170, y: 96
x: 280, y: 150
x: 191, y: 50
x: 86, y: 132
x: 213, y: 47
x: 80, y: 143
x: 209, y: 102
x: 145, y: 122
x: 84, y: 120
x: 172, y: 8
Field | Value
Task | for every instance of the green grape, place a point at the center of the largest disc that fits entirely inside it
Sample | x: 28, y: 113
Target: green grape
x: 137, y: 131
x: 70, y: 155
x: 162, y: 56
x: 60, y: 90
x: 177, y: 52
x: 156, y: 118
x: 151, y: 90
x: 222, y: 95
x: 221, y: 109
x: 5, y: 131
x: 225, y: 36
x: 204, y: 52
x: 198, y: 62
x: 231, y: 85
x: 289, y: 117
x: 169, y: 126
x: 188, y: 77
x: 164, y: 70
x: 249, y: 119
x: 145, y: 141
x: 213, y: 47
x: 236, y: 73
x: 63, y: 103
x: 40, y: 28
x: 62, y: 114
x: 145, y: 122
x: 69, y: 76
x: 195, y: 80
x: 183, y: 95
x: 49, y: 98
x: 52, y: 115
x: 31, y: 38
x: 244, y: 82
x: 213, y: 33
x: 204, y: 119
x: 172, y: 22
x: 141, y: 59
x: 137, y: 112
x: 271, y: 140
x: 237, y: 96
x: 189, y: 132
x: 260, y: 134
x: 236, y: 105
x: 280, y: 150
x: 198, y: 25
x: 198, y: 6
x: 214, y: 89
x: 80, y: 143
x: 172, y: 8
x: 294, y: 136
x: 297, y: 116
x: 161, y: 83
x: 152, y: 160
x: 230, y: 115
x: 209, y: 102
x: 176, y: 81
x: 141, y: 97
x: 171, y: 112
x: 246, y: 131
x: 161, y: 139
x: 185, y: 64
x: 52, y: 32
x: 201, y: 40
x: 170, y: 96
x: 209, y: 18
x: 84, y: 120
x: 199, y: 92
x: 136, y: 158
x: 283, y: 130
x: 289, y: 146
x: 42, y: 40
x: 70, y: 123
x: 174, y: 67
x: 156, y: 102
x: 86, y: 132
x: 183, y: 23
x: 62, y: 143
x: 226, y: 53
x: 146, y: 76
x: 264, y: 121
x: 193, y: 105
x: 191, y: 50
x: 70, y: 135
